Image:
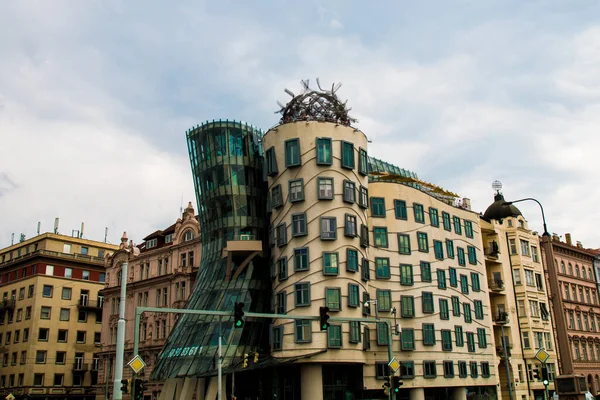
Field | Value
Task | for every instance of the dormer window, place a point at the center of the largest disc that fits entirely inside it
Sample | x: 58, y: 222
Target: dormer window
x: 169, y: 238
x: 188, y: 235
x: 151, y: 243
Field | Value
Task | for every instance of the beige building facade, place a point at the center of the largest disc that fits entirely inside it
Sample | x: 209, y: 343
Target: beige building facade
x: 519, y: 300
x: 51, y: 316
x: 161, y: 273
x: 368, y: 248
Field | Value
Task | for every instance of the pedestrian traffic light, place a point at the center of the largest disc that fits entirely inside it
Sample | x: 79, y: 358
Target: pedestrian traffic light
x: 125, y: 385
x: 140, y: 387
x: 386, y: 385
x: 324, y: 318
x: 255, y: 358
x: 397, y: 384
x: 536, y: 373
x: 245, y: 365
x: 545, y: 377
x: 239, y: 314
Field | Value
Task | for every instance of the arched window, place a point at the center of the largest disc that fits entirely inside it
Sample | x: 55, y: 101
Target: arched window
x: 583, y: 273
x: 570, y: 269
x: 590, y: 274
x: 562, y: 267
x: 577, y: 270
x: 188, y: 235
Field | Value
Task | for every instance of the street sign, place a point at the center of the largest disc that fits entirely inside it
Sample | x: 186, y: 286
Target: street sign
x: 394, y: 365
x: 137, y: 364
x: 10, y: 397
x: 542, y: 355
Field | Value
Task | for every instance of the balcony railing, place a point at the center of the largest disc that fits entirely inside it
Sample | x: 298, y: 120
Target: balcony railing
x: 492, y: 250
x: 48, y: 253
x: 501, y: 317
x: 80, y: 367
x: 500, y: 351
x: 8, y: 304
x: 86, y: 303
x: 496, y: 284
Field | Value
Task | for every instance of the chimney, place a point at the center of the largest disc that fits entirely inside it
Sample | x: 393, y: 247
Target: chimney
x: 568, y: 239
x: 466, y: 203
x: 579, y: 245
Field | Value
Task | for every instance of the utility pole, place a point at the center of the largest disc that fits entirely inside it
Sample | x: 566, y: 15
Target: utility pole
x: 220, y: 366
x: 117, y: 395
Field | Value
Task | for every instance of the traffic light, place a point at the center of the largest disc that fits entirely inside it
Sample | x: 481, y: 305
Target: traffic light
x: 324, y: 318
x: 245, y: 365
x: 140, y: 387
x: 386, y: 385
x: 546, y: 381
x: 125, y: 385
x: 239, y: 314
x: 255, y: 358
x: 536, y: 373
x: 397, y: 384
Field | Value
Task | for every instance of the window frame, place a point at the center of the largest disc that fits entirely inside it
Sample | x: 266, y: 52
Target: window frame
x: 295, y: 199
x: 288, y: 151
x: 328, y: 155
x: 345, y: 164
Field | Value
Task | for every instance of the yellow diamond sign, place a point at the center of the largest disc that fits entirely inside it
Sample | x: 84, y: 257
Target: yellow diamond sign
x: 137, y: 364
x: 542, y: 355
x: 394, y: 364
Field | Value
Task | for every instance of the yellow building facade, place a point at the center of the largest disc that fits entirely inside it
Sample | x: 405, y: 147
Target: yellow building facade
x: 51, y: 315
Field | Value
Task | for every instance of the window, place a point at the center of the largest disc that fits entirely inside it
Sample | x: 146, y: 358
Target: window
x: 43, y: 334
x: 328, y: 228
x: 364, y: 235
x: 441, y: 277
x: 419, y: 213
x: 448, y: 368
x: 425, y: 271
x: 296, y: 190
x: 428, y: 334
x: 347, y: 155
x: 444, y: 310
x: 303, y: 331
x: 334, y: 336
x: 277, y: 337
x: 50, y: 268
x: 473, y: 365
x: 292, y: 153
x: 353, y: 296
x: 363, y: 198
x: 302, y: 294
x: 349, y: 192
x: 85, y: 275
x: 438, y: 249
x: 468, y: 229
x: 525, y: 249
x: 427, y: 302
x: 407, y: 304
x: 378, y: 207
x: 281, y: 302
x: 282, y: 269
x: 271, y: 161
x: 330, y: 263
x: 534, y: 309
x: 403, y: 243
x: 453, y: 277
x: 62, y: 336
x: 365, y: 270
x: 485, y: 369
x: 325, y: 188
x: 529, y: 278
x: 28, y: 312
x: 382, y: 370
x: 461, y: 256
x: 471, y: 342
x: 351, y: 260
x: 422, y: 242
x: 406, y: 274
x: 434, y: 218
x: 354, y: 336
x: 298, y: 224
x: 40, y: 357
x: 481, y: 338
x: 45, y: 312
x: 429, y: 370
x: 38, y: 379
x: 324, y: 151
x: 475, y: 282
x: 80, y: 336
x: 350, y: 228
x: 333, y: 299
x: 30, y: 291
x: 47, y: 291
x: 382, y: 334
x: 362, y: 162
x: 382, y: 268
x: 462, y: 369
x: 446, y: 221
x: 450, y: 248
x: 472, y: 255
x: 301, y: 259
x: 408, y: 339
x: 467, y: 312
x: 457, y: 227
x: 380, y: 236
x: 400, y: 209
x: 384, y: 300
x: 455, y: 306
x: 478, y: 305
x: 458, y: 336
x: 66, y: 293
x: 517, y: 276
x: 276, y: 196
x: 281, y: 235
x: 464, y: 284
x: 446, y: 340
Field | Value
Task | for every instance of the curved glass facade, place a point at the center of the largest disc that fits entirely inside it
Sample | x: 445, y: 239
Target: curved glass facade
x: 227, y: 166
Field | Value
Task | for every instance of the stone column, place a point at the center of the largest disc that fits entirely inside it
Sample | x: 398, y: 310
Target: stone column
x: 417, y: 394
x: 459, y: 393
x: 311, y: 380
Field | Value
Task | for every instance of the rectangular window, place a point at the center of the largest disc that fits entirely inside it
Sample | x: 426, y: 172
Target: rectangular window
x: 429, y: 370
x: 419, y: 213
x: 349, y: 192
x: 455, y: 306
x: 434, y: 218
x: 271, y: 162
x: 459, y: 336
x: 45, y: 312
x: 422, y: 242
x: 406, y: 274
x: 328, y: 228
x: 450, y: 248
x: 457, y: 226
x: 281, y: 303
x: 448, y: 369
x: 525, y: 248
x: 363, y: 162
x: 296, y: 190
x: 382, y: 334
x: 384, y: 300
x: 468, y: 229
x: 282, y: 269
x: 408, y: 339
x: 453, y: 277
x: 47, y: 291
x: 517, y: 276
x: 485, y: 369
x: 462, y: 369
x: 534, y: 256
x: 472, y: 255
x: 302, y: 294
x: 380, y: 237
x: 438, y: 249
x: 292, y: 152
x: 276, y: 197
x: 364, y: 235
x: 475, y: 282
x: 446, y: 340
x: 446, y: 221
x: 400, y: 209
x: 467, y: 312
x: 366, y: 305
x: 365, y: 270
x: 478, y: 305
x: 333, y: 299
x: 354, y: 336
x: 347, y: 155
x: 299, y: 224
x: 325, y: 188
x: 428, y: 334
x: 427, y: 303
x: 281, y: 235
x: 301, y: 259
x: 303, y: 331
x: 351, y: 260
x: 407, y: 369
x: 363, y: 197
x: 403, y: 243
x: 378, y: 207
x: 425, y: 271
x: 513, y: 246
x: 277, y: 337
x: 481, y: 338
x: 382, y: 268
x: 334, y: 336
x: 324, y: 151
x: 473, y: 365
x: 529, y: 278
x: 407, y: 304
x: 464, y: 284
x: 444, y: 310
x: 441, y: 277
x: 353, y: 295
x: 461, y: 256
x: 471, y: 342
x: 330, y: 263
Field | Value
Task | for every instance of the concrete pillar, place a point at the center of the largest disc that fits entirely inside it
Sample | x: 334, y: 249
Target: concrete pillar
x: 459, y: 393
x: 311, y: 381
x: 188, y: 389
x: 200, y: 392
x: 169, y: 389
x: 417, y: 394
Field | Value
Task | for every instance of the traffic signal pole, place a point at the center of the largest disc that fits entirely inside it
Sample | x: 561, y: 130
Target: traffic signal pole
x: 117, y: 394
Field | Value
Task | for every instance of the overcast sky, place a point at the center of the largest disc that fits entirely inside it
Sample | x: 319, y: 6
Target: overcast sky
x: 96, y: 97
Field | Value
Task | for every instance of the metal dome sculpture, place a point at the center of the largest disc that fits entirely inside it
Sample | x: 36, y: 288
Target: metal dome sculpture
x: 315, y: 105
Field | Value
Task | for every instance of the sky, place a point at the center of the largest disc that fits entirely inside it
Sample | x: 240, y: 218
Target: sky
x: 96, y: 98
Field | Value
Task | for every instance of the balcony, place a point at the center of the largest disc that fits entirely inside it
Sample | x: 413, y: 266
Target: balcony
x: 500, y: 317
x: 496, y: 285
x: 86, y: 304
x: 7, y: 304
x: 492, y: 250
x: 500, y: 351
x: 79, y: 367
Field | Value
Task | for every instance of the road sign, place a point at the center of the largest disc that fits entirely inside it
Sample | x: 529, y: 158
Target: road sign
x: 10, y: 397
x: 394, y: 365
x: 137, y: 364
x: 542, y: 355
